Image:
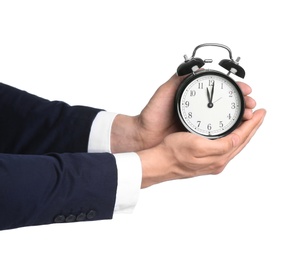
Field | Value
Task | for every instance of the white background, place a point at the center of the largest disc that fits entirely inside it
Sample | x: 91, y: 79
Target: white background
x: 114, y: 55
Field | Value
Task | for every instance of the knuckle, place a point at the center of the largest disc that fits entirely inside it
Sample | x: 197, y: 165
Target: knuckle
x: 218, y: 166
x: 218, y: 171
x: 224, y: 147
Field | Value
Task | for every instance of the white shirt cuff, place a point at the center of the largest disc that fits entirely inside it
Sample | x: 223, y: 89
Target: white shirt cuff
x: 99, y: 140
x: 128, y: 164
x: 129, y: 181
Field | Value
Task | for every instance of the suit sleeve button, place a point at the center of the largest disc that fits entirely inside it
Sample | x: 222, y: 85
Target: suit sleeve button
x: 71, y: 218
x: 91, y: 214
x: 81, y: 217
x: 59, y: 219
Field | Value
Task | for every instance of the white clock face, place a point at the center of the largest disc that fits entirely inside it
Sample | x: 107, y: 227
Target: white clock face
x: 211, y: 105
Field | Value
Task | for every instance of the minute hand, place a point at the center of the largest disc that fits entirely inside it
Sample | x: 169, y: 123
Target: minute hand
x: 212, y: 92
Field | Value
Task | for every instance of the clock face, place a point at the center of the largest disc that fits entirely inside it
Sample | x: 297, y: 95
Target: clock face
x: 210, y: 104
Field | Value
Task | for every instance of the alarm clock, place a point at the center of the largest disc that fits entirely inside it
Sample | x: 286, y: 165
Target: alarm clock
x: 209, y: 102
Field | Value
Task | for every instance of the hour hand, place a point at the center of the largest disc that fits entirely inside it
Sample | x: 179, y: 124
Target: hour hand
x: 210, y: 97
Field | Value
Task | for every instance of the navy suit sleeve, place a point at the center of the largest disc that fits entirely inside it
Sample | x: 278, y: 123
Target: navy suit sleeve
x: 56, y: 188
x: 46, y: 176
x: 33, y: 125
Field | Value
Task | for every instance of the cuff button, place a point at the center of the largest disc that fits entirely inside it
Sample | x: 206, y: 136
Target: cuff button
x: 91, y: 215
x: 71, y: 218
x: 81, y: 217
x: 59, y: 219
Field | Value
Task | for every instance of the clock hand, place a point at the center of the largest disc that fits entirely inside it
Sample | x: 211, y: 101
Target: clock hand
x: 217, y: 100
x: 210, y: 96
x: 212, y: 92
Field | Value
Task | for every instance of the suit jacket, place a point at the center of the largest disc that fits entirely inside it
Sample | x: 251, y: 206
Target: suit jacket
x: 46, y: 174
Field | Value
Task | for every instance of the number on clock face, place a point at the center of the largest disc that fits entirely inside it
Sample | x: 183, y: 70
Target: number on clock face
x: 210, y: 105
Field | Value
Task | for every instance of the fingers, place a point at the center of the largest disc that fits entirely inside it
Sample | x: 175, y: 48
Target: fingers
x: 250, y: 102
x: 247, y: 114
x: 194, y: 155
x: 210, y: 148
x: 237, y: 140
x: 246, y: 89
x: 242, y: 135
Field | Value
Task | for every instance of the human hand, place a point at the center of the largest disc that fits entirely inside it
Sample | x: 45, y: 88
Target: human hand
x: 158, y: 119
x: 185, y: 155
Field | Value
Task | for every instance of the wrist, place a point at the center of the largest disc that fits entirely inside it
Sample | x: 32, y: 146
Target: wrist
x: 157, y: 166
x: 125, y: 136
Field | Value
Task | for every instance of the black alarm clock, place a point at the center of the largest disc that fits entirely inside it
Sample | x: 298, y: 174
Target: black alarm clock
x: 209, y: 102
